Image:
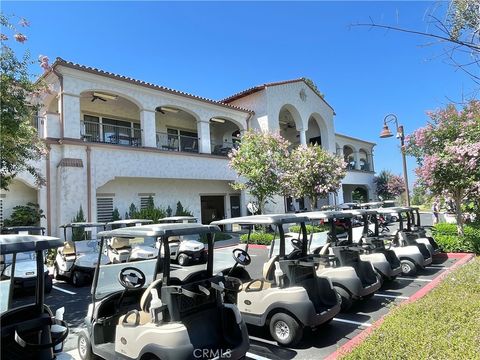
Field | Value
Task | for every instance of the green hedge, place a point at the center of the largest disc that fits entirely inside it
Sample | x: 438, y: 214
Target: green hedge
x: 310, y: 228
x: 260, y: 238
x: 442, y: 325
x: 446, y: 237
x: 218, y: 237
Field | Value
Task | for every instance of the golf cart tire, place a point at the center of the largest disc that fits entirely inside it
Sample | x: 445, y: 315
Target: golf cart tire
x: 346, y: 303
x: 408, y: 267
x: 48, y: 284
x: 85, y: 347
x: 78, y: 279
x: 182, y: 260
x: 295, y: 330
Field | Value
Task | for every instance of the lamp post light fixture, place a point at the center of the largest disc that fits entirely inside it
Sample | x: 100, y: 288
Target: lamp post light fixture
x: 386, y: 133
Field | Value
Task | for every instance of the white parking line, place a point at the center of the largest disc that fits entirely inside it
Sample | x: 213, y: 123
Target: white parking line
x: 436, y: 267
x: 352, y: 322
x: 65, y: 291
x: 413, y: 279
x: 392, y: 296
x: 256, y: 357
x: 439, y: 266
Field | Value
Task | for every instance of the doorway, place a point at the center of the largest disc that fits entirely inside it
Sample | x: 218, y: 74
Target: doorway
x: 212, y: 208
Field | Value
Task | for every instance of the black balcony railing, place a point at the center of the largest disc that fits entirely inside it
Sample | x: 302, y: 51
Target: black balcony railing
x: 111, y: 134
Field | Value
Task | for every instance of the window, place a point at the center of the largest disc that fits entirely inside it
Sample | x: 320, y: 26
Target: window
x: 187, y: 140
x: 146, y: 201
x: 104, y: 209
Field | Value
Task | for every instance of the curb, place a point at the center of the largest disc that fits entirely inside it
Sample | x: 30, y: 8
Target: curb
x: 358, y: 339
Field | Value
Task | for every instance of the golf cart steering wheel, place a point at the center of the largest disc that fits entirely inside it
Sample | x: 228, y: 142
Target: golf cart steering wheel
x: 297, y: 244
x: 131, y: 278
x: 241, y: 257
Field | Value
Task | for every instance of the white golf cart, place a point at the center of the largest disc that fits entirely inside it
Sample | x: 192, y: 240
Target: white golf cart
x: 149, y: 310
x: 353, y: 278
x: 290, y: 296
x: 413, y: 255
x: 26, y: 267
x: 29, y: 332
x: 185, y: 250
x: 118, y: 250
x: 418, y: 232
x: 76, y: 260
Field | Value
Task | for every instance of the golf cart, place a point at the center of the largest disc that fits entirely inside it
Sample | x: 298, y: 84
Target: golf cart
x: 385, y: 261
x: 149, y: 310
x: 118, y: 249
x: 371, y: 205
x: 29, y: 331
x: 76, y: 260
x: 352, y: 277
x: 26, y: 266
x: 419, y: 232
x: 289, y: 296
x: 413, y: 255
x: 185, y: 249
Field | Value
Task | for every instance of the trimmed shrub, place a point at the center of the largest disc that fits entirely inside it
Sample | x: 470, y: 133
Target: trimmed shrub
x: 218, y: 237
x: 310, y: 228
x: 25, y: 215
x: 260, y: 238
x: 447, y: 238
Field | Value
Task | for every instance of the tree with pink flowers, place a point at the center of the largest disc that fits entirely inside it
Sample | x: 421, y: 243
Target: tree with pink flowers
x: 389, y: 186
x: 312, y: 172
x: 20, y: 146
x: 447, y: 150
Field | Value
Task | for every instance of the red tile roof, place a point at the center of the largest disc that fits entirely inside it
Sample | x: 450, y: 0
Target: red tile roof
x: 72, y: 65
x: 257, y: 88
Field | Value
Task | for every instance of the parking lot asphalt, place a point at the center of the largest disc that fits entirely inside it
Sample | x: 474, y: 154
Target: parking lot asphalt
x: 317, y: 344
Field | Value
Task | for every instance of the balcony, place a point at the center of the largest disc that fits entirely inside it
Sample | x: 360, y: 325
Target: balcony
x: 224, y: 148
x: 112, y: 134
x: 176, y: 142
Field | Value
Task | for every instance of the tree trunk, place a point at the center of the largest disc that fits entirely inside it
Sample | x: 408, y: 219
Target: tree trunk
x: 458, y: 213
x: 313, y: 203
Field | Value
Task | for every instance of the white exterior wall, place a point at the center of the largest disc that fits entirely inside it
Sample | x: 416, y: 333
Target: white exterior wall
x: 18, y: 194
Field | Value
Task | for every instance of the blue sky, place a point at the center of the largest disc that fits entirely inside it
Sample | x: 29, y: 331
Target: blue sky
x: 215, y: 49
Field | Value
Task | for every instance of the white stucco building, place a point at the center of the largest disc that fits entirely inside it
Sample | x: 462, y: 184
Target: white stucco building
x: 113, y: 141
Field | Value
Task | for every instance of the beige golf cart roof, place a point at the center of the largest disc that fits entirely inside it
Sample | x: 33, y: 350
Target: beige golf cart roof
x: 263, y: 219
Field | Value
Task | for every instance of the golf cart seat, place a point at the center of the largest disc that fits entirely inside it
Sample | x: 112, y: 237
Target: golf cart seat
x: 120, y: 244
x: 68, y: 249
x: 269, y: 268
x: 144, y: 316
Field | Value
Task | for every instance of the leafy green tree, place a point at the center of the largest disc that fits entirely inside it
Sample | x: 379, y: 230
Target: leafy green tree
x: 132, y: 211
x: 448, y: 154
x: 20, y: 145
x: 150, y: 212
x: 25, y: 215
x: 312, y: 172
x: 78, y: 233
x: 169, y: 211
x: 181, y: 211
x: 116, y: 215
x: 389, y: 186
x: 259, y: 161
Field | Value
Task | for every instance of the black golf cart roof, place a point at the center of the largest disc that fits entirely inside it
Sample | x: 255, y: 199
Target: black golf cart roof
x: 8, y: 229
x: 130, y: 221
x: 319, y: 215
x: 264, y: 219
x: 10, y: 244
x: 176, y: 218
x: 82, y: 225
x: 156, y: 230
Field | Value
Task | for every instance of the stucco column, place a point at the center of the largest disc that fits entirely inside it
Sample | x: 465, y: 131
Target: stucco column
x: 70, y: 108
x: 356, y: 157
x: 303, y: 137
x: 203, y: 129
x: 147, y: 123
x: 370, y: 161
x: 340, y: 199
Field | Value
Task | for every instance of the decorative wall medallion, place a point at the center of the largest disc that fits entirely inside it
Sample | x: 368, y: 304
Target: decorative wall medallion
x: 303, y: 95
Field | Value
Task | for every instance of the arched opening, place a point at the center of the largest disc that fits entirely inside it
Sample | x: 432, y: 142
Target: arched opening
x: 290, y: 123
x: 360, y: 194
x: 314, y: 136
x: 176, y: 129
x: 348, y: 156
x: 363, y: 160
x: 109, y: 118
x: 224, y: 135
x: 20, y: 193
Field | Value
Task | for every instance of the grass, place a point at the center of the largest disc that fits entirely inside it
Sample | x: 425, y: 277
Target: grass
x: 445, y: 324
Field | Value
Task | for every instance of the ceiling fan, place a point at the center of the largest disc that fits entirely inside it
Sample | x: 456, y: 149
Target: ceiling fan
x: 102, y: 97
x: 96, y: 97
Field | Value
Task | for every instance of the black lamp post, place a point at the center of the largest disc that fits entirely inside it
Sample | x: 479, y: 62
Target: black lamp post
x: 386, y: 133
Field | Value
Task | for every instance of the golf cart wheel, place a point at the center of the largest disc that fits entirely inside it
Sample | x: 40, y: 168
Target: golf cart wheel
x: 78, y: 279
x: 346, y: 303
x: 182, y: 260
x: 48, y: 284
x: 408, y: 268
x: 285, y: 330
x: 85, y: 347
